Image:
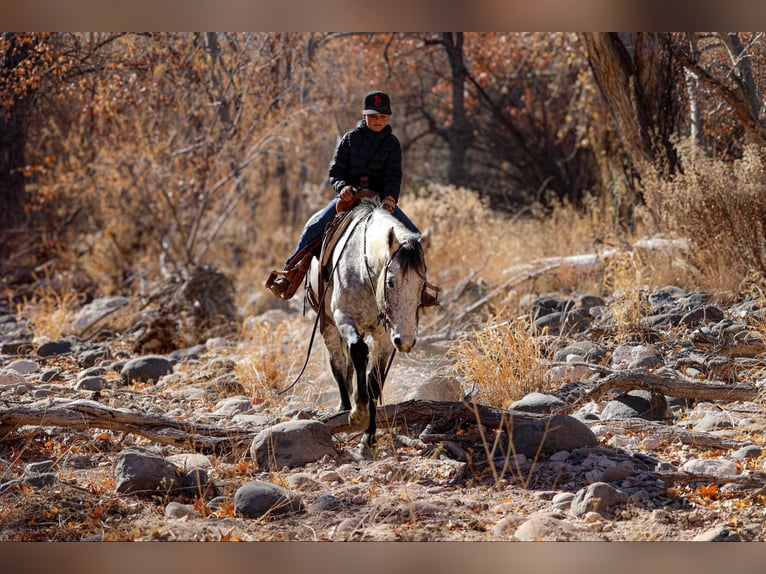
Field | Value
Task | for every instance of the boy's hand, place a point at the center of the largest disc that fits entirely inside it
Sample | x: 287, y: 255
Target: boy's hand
x: 347, y: 193
x: 389, y: 204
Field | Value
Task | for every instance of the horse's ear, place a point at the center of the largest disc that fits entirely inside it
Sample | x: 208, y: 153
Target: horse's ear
x: 393, y: 241
x: 425, y: 239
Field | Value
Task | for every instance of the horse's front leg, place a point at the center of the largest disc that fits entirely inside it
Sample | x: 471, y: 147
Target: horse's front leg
x: 376, y: 381
x: 359, y: 418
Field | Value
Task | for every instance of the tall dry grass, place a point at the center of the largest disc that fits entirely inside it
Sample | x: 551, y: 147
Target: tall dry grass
x: 720, y: 210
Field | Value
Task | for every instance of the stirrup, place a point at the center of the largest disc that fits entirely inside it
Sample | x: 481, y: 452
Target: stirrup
x: 280, y: 283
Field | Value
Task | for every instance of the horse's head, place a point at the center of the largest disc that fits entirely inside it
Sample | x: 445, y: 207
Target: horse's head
x: 400, y: 291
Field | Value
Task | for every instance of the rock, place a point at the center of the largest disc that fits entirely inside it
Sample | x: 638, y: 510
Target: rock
x: 146, y: 369
x: 437, y: 388
x: 256, y: 499
x: 291, y: 444
x: 718, y: 534
x: 93, y: 384
x: 40, y: 480
x: 596, y: 497
x: 704, y: 314
x: 50, y: 374
x: 140, y: 471
x: 538, y: 403
x: 325, y: 503
x: 24, y: 366
x: 541, y: 525
x: 557, y: 432
x: 91, y: 356
x: 715, y: 419
x: 39, y: 467
x: 197, y: 484
x: 641, y: 404
x: 178, y: 510
x: 562, y: 502
x: 52, y: 348
x: 635, y: 357
x: 231, y: 406
x: 96, y: 310
x: 749, y: 451
x: 19, y: 347
x: 712, y: 467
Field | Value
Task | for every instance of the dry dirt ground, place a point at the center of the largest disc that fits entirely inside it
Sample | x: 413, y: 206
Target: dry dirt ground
x: 407, y: 492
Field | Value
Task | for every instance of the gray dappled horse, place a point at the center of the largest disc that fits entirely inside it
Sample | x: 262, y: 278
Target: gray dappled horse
x: 376, y: 287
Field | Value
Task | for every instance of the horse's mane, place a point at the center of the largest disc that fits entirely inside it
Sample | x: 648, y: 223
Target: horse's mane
x: 410, y: 254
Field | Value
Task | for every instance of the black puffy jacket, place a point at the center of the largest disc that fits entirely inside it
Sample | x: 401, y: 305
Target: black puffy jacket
x: 363, y: 152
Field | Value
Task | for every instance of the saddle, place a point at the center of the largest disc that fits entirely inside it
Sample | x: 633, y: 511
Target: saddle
x: 285, y: 283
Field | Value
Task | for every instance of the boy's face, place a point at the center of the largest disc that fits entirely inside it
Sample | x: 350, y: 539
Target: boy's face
x: 376, y: 122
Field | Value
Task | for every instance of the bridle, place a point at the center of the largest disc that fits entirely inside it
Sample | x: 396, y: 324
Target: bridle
x: 429, y: 294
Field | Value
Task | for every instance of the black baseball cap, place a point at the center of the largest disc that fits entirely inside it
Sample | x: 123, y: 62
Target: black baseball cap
x: 377, y: 103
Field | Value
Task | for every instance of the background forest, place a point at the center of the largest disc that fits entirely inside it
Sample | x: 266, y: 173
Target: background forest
x: 132, y: 160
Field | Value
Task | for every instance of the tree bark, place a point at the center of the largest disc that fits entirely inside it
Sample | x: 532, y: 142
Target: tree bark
x: 12, y: 142
x: 634, y: 73
x: 672, y: 384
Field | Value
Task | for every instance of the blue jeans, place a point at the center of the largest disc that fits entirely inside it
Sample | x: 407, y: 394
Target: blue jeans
x: 316, y: 225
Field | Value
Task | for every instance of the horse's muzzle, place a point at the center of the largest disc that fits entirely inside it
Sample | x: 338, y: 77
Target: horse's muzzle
x: 403, y: 344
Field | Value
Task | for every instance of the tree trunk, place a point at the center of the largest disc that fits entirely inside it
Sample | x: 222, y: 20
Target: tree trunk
x: 459, y: 134
x: 12, y: 141
x: 635, y: 75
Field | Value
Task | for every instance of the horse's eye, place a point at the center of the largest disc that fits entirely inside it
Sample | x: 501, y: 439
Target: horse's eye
x: 390, y: 282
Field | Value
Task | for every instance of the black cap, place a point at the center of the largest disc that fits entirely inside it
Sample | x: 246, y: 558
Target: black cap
x: 377, y: 103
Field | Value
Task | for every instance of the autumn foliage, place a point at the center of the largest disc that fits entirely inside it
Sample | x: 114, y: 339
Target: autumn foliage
x: 133, y: 158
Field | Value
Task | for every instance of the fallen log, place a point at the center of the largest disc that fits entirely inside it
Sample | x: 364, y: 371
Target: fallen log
x: 531, y: 434
x: 755, y: 480
x: 669, y: 433
x: 671, y: 383
x: 87, y: 414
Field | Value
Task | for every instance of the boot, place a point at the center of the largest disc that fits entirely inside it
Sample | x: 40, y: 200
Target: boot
x: 282, y: 283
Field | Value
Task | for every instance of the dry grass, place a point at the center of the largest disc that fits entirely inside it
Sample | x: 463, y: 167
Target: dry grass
x: 502, y: 360
x: 719, y: 210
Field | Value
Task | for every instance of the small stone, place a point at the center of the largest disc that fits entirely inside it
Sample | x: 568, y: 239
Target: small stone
x: 39, y: 467
x: 749, y: 451
x: 24, y: 366
x: 325, y: 503
x: 597, y: 497
x: 178, y: 510
x: 40, y: 480
x: 93, y: 384
x: 719, y: 534
x: 256, y: 499
x: 330, y: 476
x: 53, y: 348
x: 710, y: 466
x: 146, y: 369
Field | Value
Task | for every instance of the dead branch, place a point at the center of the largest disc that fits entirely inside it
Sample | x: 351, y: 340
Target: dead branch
x: 671, y: 383
x: 87, y: 414
x: 757, y: 479
x: 417, y: 412
x: 670, y: 433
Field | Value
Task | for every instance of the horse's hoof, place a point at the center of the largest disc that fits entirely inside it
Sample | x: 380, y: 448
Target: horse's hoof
x: 366, y: 448
x: 359, y: 419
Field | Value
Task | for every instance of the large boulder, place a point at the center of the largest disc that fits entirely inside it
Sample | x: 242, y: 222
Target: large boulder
x: 291, y: 444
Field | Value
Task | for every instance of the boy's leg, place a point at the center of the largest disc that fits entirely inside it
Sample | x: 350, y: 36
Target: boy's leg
x: 280, y: 283
x: 314, y: 228
x: 400, y: 215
